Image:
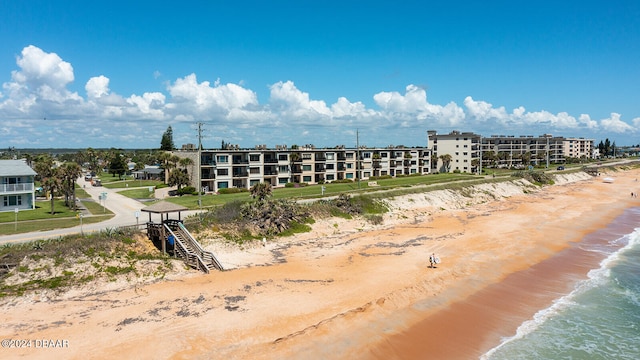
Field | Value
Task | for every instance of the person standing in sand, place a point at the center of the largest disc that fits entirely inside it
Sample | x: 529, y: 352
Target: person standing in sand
x: 432, y: 260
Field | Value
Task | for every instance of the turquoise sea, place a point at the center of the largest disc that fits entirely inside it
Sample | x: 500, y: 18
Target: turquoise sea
x: 600, y: 317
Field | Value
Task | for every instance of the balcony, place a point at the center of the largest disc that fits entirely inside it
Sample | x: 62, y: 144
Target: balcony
x: 208, y: 175
x: 16, y: 188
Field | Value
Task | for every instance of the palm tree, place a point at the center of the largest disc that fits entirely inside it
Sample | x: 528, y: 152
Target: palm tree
x: 446, y: 162
x: 261, y: 190
x: 178, y: 178
x: 164, y: 158
x: 49, y: 176
x: 184, y: 162
x: 69, y: 172
x: 293, y: 157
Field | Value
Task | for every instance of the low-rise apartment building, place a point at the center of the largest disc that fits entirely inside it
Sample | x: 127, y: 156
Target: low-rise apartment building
x: 243, y: 168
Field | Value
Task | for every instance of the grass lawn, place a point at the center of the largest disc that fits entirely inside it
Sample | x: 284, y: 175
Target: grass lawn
x: 96, y: 208
x: 133, y: 184
x: 43, y: 225
x: 315, y: 191
x: 42, y: 211
x: 139, y: 193
x: 41, y: 219
x: 113, y: 182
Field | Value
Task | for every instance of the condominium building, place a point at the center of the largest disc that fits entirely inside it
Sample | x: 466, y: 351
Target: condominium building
x: 243, y: 168
x: 466, y: 152
x: 456, y: 151
x: 510, y: 151
x: 578, y: 148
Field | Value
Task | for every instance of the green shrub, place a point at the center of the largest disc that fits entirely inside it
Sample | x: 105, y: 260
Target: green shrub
x: 187, y: 190
x: 232, y: 190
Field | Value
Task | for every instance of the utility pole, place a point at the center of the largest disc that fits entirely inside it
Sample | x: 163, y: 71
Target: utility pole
x: 480, y: 166
x: 198, y: 168
x: 358, y: 158
x: 547, y: 136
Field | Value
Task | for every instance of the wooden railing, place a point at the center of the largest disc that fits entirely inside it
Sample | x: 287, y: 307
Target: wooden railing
x: 190, y: 250
x: 208, y: 256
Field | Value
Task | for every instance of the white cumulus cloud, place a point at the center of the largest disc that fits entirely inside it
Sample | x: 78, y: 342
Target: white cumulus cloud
x: 286, y: 98
x: 616, y: 125
x: 97, y: 86
x: 413, y: 105
x: 198, y: 98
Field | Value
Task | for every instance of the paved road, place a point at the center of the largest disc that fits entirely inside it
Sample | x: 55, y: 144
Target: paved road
x: 123, y: 207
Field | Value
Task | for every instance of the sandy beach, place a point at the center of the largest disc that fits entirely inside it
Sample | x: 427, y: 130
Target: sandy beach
x: 348, y: 289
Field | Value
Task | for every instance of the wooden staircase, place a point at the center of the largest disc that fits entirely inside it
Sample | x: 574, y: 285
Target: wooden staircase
x: 189, y: 249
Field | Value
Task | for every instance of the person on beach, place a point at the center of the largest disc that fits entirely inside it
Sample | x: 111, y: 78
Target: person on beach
x: 432, y: 260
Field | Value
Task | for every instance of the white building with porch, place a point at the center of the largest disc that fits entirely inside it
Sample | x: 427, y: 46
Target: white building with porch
x: 17, y: 190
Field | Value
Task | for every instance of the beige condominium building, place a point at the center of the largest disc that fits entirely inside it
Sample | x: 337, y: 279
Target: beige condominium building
x: 234, y: 167
x: 469, y: 152
x: 580, y: 148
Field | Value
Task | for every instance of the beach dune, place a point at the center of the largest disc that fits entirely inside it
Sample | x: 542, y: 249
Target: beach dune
x: 347, y: 289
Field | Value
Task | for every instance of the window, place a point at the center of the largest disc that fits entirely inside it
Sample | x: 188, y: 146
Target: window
x: 283, y: 180
x: 283, y: 168
x: 330, y: 156
x: 222, y: 158
x: 223, y: 184
x: 306, y: 167
x: 283, y: 157
x: 349, y: 175
x: 254, y: 157
x: 12, y: 200
x: 253, y: 182
x: 384, y: 155
x: 223, y: 172
x: 366, y: 155
x: 349, y: 166
x: 330, y: 177
x: 306, y: 156
x: 306, y: 179
x: 367, y: 174
x: 254, y: 170
x: 349, y: 155
x: 330, y: 166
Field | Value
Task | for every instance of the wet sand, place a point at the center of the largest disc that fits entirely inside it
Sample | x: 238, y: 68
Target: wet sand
x: 346, y: 290
x: 468, y: 329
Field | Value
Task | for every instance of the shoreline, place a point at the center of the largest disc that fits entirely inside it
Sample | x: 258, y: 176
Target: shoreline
x: 472, y: 327
x: 338, y: 292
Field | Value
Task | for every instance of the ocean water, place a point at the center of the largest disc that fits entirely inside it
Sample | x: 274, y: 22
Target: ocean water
x: 599, y: 318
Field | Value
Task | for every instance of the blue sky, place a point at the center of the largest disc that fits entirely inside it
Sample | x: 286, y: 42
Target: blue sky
x: 116, y: 74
